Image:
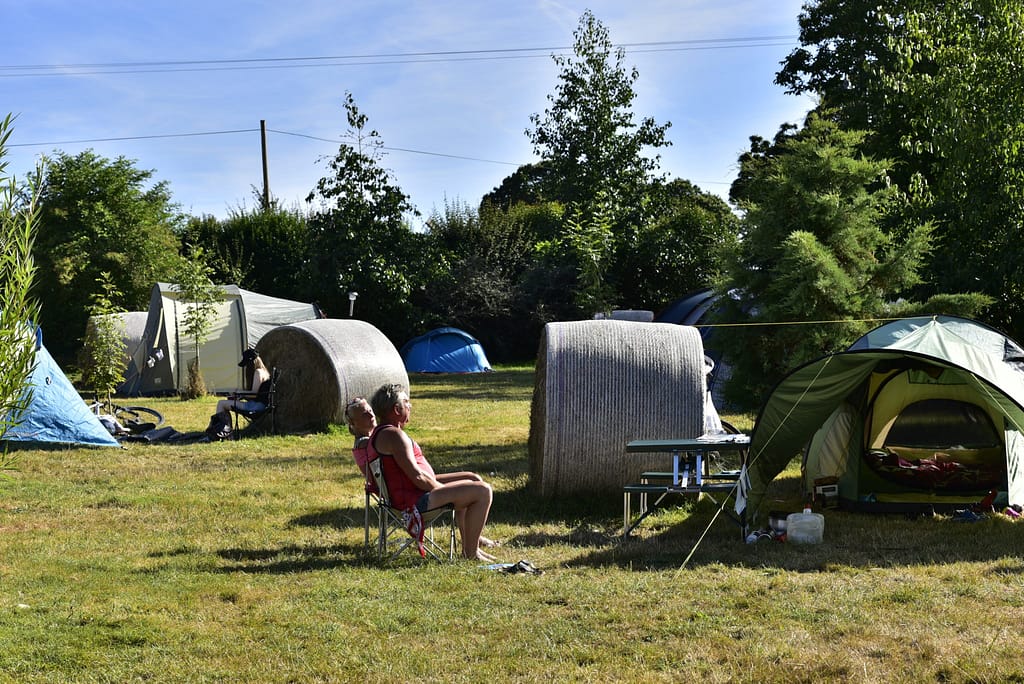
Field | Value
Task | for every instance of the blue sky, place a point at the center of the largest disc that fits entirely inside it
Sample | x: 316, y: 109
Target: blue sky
x: 173, y: 81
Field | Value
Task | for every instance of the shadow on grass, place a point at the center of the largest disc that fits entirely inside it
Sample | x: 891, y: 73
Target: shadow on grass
x: 589, y: 526
x: 486, y: 459
x: 851, y: 540
x: 293, y: 558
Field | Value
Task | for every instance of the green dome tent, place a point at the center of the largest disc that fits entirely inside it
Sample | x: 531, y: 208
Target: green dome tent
x: 924, y: 414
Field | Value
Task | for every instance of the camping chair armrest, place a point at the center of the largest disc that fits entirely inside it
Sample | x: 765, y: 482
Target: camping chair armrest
x: 242, y: 395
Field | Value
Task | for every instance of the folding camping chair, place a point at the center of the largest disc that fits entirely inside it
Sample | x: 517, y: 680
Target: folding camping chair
x: 253, y: 417
x: 391, y: 522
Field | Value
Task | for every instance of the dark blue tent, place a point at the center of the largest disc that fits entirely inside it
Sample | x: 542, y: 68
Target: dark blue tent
x: 444, y: 350
x: 57, y: 414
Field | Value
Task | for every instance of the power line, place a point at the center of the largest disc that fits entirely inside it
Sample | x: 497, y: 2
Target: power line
x: 398, y: 149
x: 251, y: 130
x: 132, y: 137
x: 80, y: 69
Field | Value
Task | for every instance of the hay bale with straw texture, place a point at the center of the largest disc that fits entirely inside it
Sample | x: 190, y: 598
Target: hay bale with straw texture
x: 601, y: 384
x: 324, y: 364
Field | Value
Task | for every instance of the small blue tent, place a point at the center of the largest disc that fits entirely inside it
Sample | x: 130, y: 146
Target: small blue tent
x: 57, y: 414
x: 444, y: 350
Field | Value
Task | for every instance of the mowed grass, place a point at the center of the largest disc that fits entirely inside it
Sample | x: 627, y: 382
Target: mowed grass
x: 244, y: 562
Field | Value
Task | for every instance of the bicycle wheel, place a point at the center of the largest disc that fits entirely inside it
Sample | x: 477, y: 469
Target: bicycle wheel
x: 138, y: 415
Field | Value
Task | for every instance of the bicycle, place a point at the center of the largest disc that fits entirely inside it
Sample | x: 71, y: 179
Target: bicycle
x: 133, y: 419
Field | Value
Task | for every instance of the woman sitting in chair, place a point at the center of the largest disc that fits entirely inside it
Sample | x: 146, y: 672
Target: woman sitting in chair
x: 412, y: 482
x: 257, y: 398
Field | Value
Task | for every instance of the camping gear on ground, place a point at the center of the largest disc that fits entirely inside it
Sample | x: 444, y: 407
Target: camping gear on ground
x: 159, y: 362
x: 324, y: 364
x: 154, y: 435
x: 57, y: 414
x: 219, y: 428
x: 523, y: 567
x: 777, y: 521
x: 601, y: 384
x: 805, y: 528
x: 920, y: 414
x: 444, y: 350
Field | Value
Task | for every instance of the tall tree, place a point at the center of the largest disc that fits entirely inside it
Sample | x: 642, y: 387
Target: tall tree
x: 18, y: 310
x: 360, y: 240
x: 96, y: 216
x: 959, y: 79
x: 813, y: 250
x: 587, y: 138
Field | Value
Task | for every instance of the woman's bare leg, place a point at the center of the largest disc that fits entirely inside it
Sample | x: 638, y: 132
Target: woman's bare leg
x: 473, y: 500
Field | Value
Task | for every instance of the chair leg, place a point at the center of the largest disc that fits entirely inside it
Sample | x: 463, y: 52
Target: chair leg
x: 366, y: 521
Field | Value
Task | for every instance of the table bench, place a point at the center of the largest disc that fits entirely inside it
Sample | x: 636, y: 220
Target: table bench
x: 689, y: 476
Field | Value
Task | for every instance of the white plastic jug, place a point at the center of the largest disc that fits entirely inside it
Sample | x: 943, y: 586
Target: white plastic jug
x: 805, y: 528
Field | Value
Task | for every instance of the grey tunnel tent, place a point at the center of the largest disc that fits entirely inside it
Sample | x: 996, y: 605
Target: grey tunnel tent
x: 159, y: 363
x: 924, y: 413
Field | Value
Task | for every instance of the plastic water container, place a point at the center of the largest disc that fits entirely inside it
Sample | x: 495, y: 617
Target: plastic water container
x: 805, y: 528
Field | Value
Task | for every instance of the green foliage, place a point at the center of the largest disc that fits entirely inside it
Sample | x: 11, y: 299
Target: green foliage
x: 814, y: 250
x: 264, y: 250
x: 681, y: 248
x: 938, y: 86
x: 97, y: 216
x: 199, y: 296
x: 958, y: 78
x: 19, y: 214
x: 527, y: 185
x: 586, y: 247
x: 104, y: 350
x: 587, y: 138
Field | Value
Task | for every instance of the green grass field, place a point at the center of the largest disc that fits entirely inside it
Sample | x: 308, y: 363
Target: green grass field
x: 244, y: 562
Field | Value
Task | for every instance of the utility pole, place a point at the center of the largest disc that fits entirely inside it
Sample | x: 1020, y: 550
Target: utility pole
x: 266, y: 175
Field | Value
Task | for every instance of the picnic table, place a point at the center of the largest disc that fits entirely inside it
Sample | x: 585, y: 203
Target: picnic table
x: 691, y: 474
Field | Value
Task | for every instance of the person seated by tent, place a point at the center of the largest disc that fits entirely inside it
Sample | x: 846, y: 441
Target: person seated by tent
x: 257, y: 398
x: 412, y: 482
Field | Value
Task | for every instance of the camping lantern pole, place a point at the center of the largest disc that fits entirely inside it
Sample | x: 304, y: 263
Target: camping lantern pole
x: 352, y: 302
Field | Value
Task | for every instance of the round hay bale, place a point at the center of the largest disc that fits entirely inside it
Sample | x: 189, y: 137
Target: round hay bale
x: 601, y: 384
x: 324, y: 364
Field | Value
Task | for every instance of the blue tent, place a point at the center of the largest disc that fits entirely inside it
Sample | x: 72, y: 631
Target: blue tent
x: 444, y: 350
x: 57, y: 414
